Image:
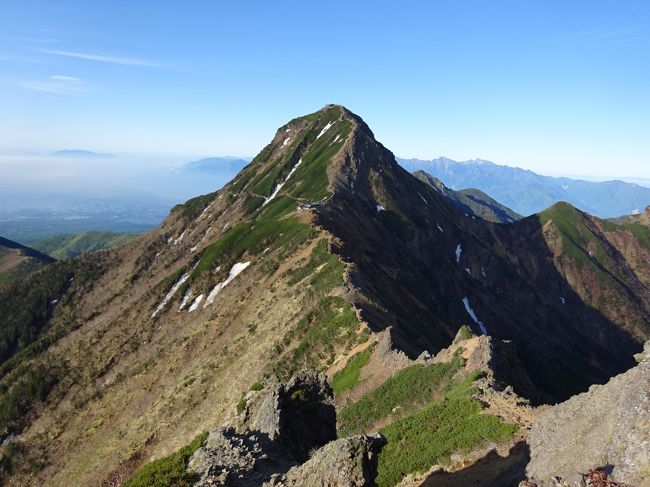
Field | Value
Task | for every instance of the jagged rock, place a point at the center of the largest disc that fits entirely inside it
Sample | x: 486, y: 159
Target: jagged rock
x: 606, y: 427
x: 300, y: 415
x: 228, y: 458
x: 498, y: 359
x: 388, y: 354
x: 280, y: 426
x: 347, y: 462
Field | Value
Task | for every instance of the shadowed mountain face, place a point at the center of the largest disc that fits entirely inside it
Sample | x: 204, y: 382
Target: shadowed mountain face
x: 320, y: 241
x: 527, y: 192
x: 17, y: 260
x: 472, y: 201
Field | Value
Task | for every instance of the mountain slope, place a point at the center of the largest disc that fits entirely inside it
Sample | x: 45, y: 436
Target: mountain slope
x: 527, y: 192
x: 67, y: 246
x: 473, y: 201
x: 319, y: 243
x: 17, y: 260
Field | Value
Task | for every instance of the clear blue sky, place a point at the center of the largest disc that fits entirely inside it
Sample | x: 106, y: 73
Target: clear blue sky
x: 555, y: 86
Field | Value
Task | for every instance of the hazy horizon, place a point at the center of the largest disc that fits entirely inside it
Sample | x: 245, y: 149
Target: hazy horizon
x: 552, y: 87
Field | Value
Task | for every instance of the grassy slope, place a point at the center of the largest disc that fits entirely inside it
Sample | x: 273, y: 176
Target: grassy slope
x: 430, y: 435
x: 68, y: 246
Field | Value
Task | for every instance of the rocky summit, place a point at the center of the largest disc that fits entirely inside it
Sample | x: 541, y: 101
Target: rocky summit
x: 439, y: 338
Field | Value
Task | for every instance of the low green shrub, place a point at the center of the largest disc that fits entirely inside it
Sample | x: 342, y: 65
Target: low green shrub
x: 169, y: 471
x: 348, y: 376
x: 408, y: 389
x: 429, y: 436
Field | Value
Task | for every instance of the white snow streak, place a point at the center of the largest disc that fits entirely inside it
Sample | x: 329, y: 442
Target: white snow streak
x: 170, y: 294
x: 234, y: 272
x: 439, y: 227
x: 423, y: 199
x: 325, y: 129
x: 459, y: 249
x: 562, y: 300
x: 286, y: 141
x: 380, y: 208
x: 278, y: 186
x: 196, y: 302
x: 177, y: 241
x: 186, y: 298
x: 336, y: 138
x: 470, y: 311
x: 468, y: 271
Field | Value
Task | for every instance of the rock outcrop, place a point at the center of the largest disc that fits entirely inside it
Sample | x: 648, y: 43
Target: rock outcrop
x: 287, y: 437
x: 606, y: 428
x: 347, y: 462
x: 299, y: 415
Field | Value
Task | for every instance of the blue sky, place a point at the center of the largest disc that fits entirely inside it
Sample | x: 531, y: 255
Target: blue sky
x: 557, y: 87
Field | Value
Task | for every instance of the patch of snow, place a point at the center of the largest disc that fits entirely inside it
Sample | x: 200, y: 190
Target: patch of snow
x: 636, y: 211
x: 170, y: 294
x: 186, y: 298
x: 590, y: 254
x: 466, y: 214
x: 336, y: 138
x: 234, y: 272
x: 266, y: 250
x: 170, y: 239
x: 54, y: 301
x: 483, y: 273
x: 473, y: 217
x: 325, y: 129
x: 471, y: 313
x: 286, y: 141
x: 459, y: 250
x: 177, y: 241
x: 193, y: 248
x: 439, y: 227
x: 468, y: 271
x: 287, y: 130
x: 157, y: 254
x: 205, y: 210
x: 423, y: 199
x: 562, y: 300
x: 278, y: 186
x: 380, y: 208
x: 196, y: 302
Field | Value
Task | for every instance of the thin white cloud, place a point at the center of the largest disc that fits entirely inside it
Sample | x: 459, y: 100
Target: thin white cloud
x: 59, y: 84
x: 102, y: 59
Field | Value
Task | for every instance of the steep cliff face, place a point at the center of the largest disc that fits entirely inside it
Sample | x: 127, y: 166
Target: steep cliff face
x: 322, y: 241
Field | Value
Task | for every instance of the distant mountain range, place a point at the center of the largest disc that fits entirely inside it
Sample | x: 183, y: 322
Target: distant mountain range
x: 527, y: 192
x: 216, y: 164
x: 473, y: 201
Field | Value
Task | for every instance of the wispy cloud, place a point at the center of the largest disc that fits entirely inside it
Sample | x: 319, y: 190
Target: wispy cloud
x: 128, y: 61
x: 59, y: 84
x: 613, y: 35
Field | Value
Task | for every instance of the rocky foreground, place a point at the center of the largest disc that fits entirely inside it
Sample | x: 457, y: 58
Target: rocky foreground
x: 601, y: 437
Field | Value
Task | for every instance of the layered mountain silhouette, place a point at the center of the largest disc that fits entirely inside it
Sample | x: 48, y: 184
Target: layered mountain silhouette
x: 472, y: 201
x: 321, y: 242
x: 527, y: 192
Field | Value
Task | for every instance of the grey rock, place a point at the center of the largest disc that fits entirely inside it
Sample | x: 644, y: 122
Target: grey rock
x: 606, y: 427
x: 347, y: 462
x: 228, y: 458
x: 279, y: 427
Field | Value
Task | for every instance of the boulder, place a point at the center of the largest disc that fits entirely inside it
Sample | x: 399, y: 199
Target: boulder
x: 347, y: 462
